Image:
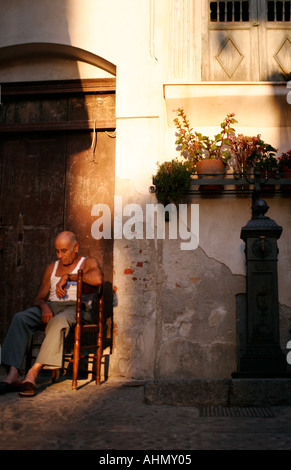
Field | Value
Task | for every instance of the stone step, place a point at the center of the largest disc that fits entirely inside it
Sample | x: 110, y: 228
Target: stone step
x: 219, y: 392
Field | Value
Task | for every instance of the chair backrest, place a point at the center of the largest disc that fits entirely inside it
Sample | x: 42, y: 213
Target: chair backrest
x: 84, y: 289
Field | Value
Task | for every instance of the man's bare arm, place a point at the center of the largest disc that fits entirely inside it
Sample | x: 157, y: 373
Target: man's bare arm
x: 92, y: 275
x: 40, y: 300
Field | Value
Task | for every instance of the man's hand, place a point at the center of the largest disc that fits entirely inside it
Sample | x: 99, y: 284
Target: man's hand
x: 46, y: 313
x: 61, y: 286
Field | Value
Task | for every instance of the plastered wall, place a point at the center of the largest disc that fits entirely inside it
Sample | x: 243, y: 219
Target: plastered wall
x: 175, y: 310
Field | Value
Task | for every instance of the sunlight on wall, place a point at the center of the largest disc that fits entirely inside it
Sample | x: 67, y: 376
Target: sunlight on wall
x: 137, y: 151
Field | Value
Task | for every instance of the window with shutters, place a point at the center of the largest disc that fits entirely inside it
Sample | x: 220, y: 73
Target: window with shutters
x: 246, y: 40
x: 279, y: 11
x: 229, y: 11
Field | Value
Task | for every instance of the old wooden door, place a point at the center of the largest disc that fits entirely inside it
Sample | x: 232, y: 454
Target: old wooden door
x: 51, y: 177
x: 246, y: 40
x: 32, y: 204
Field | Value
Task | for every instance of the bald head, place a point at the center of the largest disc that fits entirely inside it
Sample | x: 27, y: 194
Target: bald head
x: 67, y: 236
x: 67, y: 247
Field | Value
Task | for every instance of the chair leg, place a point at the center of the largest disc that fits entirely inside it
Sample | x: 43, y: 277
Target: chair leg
x: 76, y: 356
x: 99, y: 354
x: 77, y: 331
x: 98, y: 365
x: 99, y: 340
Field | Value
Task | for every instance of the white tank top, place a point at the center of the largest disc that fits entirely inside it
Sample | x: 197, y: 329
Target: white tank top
x: 71, y: 288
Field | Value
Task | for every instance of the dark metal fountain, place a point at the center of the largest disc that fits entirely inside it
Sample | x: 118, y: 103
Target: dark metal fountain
x: 260, y: 352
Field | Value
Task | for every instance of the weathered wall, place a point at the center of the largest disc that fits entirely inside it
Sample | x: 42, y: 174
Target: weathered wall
x: 175, y: 313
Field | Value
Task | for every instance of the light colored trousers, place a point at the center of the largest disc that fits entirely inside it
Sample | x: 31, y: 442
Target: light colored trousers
x: 24, y: 324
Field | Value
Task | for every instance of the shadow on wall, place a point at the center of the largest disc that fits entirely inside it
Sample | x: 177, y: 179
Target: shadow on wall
x: 48, y: 174
x: 284, y: 124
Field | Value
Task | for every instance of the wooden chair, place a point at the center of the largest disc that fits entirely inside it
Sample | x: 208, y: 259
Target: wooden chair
x: 95, y: 329
x: 81, y: 330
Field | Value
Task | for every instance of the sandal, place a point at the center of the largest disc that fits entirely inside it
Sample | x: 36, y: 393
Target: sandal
x: 27, y: 389
x: 5, y: 387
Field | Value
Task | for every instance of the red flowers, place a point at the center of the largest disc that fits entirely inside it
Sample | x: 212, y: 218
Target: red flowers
x: 284, y: 161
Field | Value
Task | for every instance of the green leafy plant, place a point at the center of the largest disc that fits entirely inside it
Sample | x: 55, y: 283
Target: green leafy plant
x: 263, y: 156
x: 195, y: 146
x: 172, y: 180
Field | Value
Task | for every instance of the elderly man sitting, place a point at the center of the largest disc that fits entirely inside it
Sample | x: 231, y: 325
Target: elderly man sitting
x: 59, y: 286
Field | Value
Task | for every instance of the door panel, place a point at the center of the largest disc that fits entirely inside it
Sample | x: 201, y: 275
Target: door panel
x: 246, y: 40
x: 33, y: 172
x: 230, y: 41
x: 50, y: 181
x: 50, y: 184
x: 90, y: 181
x: 230, y: 54
x: 32, y: 204
x: 275, y: 39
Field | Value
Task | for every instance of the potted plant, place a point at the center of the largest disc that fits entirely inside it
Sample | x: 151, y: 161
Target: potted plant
x: 284, y: 166
x: 242, y: 148
x: 172, y: 181
x: 264, y: 160
x: 284, y: 163
x: 207, y: 156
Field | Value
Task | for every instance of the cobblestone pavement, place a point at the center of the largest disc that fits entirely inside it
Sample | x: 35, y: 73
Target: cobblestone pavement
x: 114, y: 416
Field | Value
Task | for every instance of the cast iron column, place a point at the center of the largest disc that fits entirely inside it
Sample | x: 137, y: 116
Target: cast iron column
x: 262, y: 354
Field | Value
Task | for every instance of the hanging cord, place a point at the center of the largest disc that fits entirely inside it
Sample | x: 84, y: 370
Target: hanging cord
x: 93, y: 145
x: 112, y: 135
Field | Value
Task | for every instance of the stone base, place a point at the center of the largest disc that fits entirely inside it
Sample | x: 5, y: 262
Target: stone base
x: 219, y: 392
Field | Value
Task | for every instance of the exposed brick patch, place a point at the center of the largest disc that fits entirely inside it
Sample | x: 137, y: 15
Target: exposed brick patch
x: 128, y: 271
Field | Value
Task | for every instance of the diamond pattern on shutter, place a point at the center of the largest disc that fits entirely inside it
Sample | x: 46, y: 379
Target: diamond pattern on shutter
x: 230, y: 57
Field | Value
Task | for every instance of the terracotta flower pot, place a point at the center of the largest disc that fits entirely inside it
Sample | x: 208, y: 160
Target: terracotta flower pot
x: 210, y: 168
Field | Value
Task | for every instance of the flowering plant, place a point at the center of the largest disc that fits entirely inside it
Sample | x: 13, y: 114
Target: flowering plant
x: 172, y: 181
x: 284, y: 162
x: 243, y: 147
x: 264, y: 156
x: 195, y: 146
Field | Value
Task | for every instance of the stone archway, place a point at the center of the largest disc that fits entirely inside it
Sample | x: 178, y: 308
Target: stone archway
x: 40, y: 49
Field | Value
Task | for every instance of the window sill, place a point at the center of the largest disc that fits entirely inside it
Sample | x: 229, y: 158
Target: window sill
x: 255, y: 104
